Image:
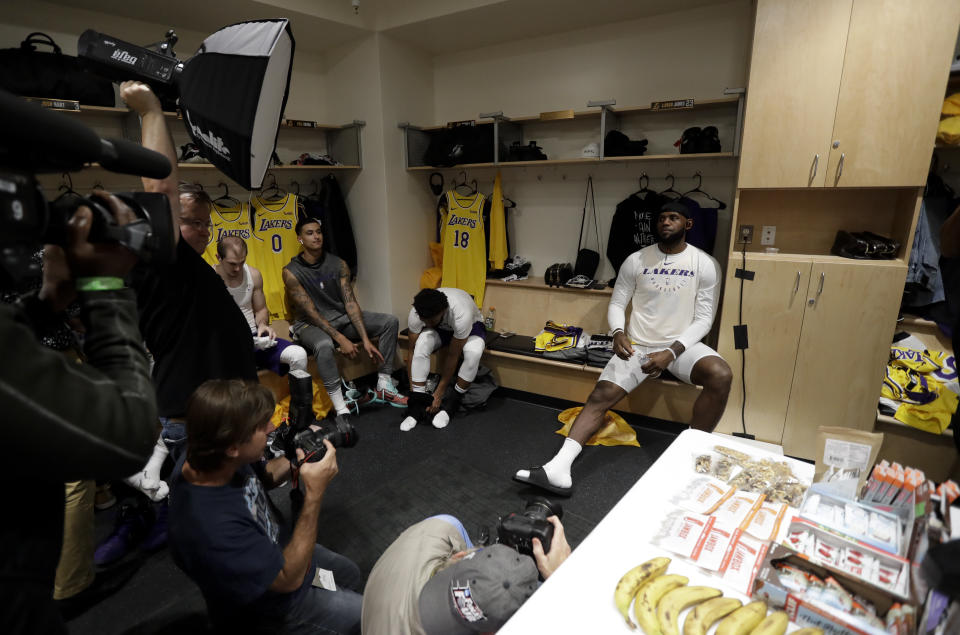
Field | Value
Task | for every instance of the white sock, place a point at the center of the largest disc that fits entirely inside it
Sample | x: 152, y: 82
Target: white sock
x: 558, y: 468
x: 460, y: 390
x: 151, y: 471
x: 408, y: 424
x: 422, y: 388
x: 441, y: 419
x: 336, y: 396
x: 384, y: 380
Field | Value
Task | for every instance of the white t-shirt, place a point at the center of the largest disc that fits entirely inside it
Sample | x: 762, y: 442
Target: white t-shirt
x: 674, y: 296
x: 460, y: 316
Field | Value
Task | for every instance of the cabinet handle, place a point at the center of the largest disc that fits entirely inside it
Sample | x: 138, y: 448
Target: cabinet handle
x: 840, y: 166
x: 796, y: 287
x: 816, y: 163
x: 820, y: 288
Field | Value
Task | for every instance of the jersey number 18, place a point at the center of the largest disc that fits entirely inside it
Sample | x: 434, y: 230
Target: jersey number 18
x: 460, y: 239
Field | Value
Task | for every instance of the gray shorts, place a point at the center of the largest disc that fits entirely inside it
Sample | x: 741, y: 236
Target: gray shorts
x: 626, y: 373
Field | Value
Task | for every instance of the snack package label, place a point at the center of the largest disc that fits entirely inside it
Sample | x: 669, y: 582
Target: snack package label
x: 715, y: 548
x: 703, y: 495
x: 766, y: 521
x: 738, y: 510
x: 846, y: 455
x: 742, y: 563
x: 686, y: 533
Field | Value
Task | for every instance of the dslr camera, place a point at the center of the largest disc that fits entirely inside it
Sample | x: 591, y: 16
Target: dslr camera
x: 519, y: 530
x: 298, y: 432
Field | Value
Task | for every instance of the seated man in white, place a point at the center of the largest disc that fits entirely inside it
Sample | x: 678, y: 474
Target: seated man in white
x: 245, y: 284
x: 674, y: 288
x: 442, y: 317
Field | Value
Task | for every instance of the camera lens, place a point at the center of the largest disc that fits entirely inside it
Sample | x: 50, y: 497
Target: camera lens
x: 541, y: 508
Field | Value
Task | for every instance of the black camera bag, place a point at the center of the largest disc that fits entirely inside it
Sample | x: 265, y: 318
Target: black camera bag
x: 31, y: 73
x: 529, y: 152
x: 460, y: 143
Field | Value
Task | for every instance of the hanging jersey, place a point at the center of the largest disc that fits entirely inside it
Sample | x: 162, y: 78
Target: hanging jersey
x: 242, y: 294
x: 272, y: 245
x: 464, y: 244
x: 227, y: 221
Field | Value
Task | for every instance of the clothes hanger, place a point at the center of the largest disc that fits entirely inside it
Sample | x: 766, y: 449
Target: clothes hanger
x: 670, y: 189
x: 643, y: 185
x: 697, y: 190
x: 463, y: 183
x: 66, y: 188
x: 272, y: 192
x: 231, y: 201
x: 511, y: 202
x: 292, y: 183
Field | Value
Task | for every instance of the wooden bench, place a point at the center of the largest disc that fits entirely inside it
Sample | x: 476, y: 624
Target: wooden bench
x: 350, y: 369
x: 524, y: 306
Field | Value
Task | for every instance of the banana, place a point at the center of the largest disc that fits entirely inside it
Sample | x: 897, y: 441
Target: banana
x: 704, y: 615
x: 773, y: 624
x: 631, y: 581
x: 810, y: 630
x: 743, y: 620
x: 645, y: 604
x: 675, y: 601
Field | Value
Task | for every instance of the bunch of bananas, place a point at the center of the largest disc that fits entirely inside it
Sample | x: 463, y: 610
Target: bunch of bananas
x: 658, y: 600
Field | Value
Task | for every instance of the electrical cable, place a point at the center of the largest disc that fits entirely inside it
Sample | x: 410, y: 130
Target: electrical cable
x: 743, y: 353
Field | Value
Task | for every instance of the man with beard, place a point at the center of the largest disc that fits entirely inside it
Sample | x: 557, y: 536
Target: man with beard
x: 674, y: 288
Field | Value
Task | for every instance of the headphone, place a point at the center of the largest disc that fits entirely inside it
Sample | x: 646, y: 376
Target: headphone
x: 437, y: 188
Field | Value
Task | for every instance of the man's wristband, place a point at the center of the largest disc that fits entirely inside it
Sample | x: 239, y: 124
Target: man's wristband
x: 99, y: 283
x: 615, y: 331
x: 670, y: 350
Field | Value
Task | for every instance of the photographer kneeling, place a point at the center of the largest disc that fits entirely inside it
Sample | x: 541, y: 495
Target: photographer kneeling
x: 432, y: 581
x: 224, y: 534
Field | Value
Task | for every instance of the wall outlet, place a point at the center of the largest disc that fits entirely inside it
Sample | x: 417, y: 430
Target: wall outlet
x: 768, y: 234
x: 745, y: 235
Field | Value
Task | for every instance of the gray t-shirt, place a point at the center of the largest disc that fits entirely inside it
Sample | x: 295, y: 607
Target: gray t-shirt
x: 321, y: 281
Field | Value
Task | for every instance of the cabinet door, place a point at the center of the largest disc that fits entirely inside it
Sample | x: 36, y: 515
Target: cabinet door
x: 894, y: 72
x: 773, y: 304
x: 795, y: 73
x: 848, y: 326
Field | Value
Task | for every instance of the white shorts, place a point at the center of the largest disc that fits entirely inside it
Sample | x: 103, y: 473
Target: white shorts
x: 626, y: 373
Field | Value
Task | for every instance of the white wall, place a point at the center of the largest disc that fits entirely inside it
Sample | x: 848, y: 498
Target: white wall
x: 406, y: 76
x: 694, y: 53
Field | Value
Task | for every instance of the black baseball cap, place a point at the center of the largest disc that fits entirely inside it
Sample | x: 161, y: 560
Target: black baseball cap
x: 677, y: 206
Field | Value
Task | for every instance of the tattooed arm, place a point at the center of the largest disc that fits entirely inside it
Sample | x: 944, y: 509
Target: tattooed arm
x: 352, y: 308
x: 304, y: 309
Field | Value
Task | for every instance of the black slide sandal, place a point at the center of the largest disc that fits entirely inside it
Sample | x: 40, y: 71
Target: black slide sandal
x: 538, y: 478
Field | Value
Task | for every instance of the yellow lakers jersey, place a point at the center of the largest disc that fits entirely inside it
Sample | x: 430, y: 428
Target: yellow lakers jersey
x: 227, y: 221
x: 271, y: 246
x: 464, y: 249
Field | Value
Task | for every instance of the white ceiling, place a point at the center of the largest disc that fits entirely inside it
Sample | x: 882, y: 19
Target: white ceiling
x: 433, y: 25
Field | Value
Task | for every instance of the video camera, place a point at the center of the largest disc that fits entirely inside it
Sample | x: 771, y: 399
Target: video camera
x: 519, y: 530
x: 298, y: 432
x: 41, y: 141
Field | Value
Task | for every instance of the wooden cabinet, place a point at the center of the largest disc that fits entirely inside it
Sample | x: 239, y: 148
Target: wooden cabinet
x: 896, y: 64
x: 795, y: 70
x: 819, y: 335
x: 848, y: 325
x: 845, y: 94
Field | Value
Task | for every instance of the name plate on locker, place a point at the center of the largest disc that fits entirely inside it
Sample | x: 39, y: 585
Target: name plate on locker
x: 56, y: 104
x: 299, y: 123
x: 673, y: 104
x: 556, y: 114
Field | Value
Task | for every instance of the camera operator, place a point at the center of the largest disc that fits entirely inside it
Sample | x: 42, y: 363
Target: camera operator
x: 65, y: 421
x: 432, y: 581
x: 223, y: 532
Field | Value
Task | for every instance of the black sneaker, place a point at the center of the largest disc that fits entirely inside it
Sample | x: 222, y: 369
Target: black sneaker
x: 133, y: 522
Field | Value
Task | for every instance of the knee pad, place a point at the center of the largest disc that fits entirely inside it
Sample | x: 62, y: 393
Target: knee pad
x: 295, y: 357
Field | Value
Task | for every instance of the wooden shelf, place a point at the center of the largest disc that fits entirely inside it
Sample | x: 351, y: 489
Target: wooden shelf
x: 595, y: 112
x: 736, y: 256
x: 121, y: 112
x: 536, y: 282
x: 881, y: 418
x: 577, y: 161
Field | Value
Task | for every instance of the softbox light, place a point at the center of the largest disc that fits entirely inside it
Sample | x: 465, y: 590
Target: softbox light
x: 232, y: 91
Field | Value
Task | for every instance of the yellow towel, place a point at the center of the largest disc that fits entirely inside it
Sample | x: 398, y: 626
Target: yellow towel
x: 948, y: 131
x: 951, y: 105
x: 321, y: 405
x: 498, y: 227
x: 430, y: 278
x: 614, y: 431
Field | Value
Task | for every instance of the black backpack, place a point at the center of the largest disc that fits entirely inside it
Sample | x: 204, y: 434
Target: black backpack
x: 529, y: 152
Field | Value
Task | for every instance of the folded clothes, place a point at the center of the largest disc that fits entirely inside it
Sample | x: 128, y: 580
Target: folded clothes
x: 556, y: 336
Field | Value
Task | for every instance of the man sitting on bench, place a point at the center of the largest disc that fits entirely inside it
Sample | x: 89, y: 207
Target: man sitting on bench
x: 674, y: 288
x: 327, y: 315
x: 442, y: 317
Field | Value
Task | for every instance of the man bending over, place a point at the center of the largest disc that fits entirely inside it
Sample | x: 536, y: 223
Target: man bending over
x: 674, y: 288
x: 442, y: 317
